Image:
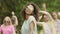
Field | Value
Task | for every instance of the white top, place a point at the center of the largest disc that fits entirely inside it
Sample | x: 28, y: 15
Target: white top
x: 57, y: 26
x: 47, y: 28
x: 26, y: 26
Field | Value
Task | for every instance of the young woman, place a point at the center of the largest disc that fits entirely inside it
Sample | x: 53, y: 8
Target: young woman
x: 7, y: 27
x: 30, y: 17
x: 48, y: 26
x: 14, y: 19
x: 56, y: 22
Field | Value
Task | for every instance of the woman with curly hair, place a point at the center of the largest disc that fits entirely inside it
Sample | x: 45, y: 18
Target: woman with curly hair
x: 30, y: 14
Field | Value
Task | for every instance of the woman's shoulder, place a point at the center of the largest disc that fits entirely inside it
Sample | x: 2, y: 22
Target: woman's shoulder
x: 2, y: 25
x: 31, y: 17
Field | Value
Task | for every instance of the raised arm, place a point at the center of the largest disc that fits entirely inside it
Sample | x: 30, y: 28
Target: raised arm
x: 39, y: 23
x: 40, y: 17
x: 45, y: 12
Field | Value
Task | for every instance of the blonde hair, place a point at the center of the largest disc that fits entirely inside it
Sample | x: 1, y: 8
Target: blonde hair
x: 7, y: 18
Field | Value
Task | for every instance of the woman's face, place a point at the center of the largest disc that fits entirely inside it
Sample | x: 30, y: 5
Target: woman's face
x: 46, y: 18
x: 6, y: 21
x: 29, y: 9
x: 54, y: 15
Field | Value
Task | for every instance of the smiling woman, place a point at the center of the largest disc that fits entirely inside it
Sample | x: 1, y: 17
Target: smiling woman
x: 7, y: 6
x: 30, y: 13
x: 7, y: 27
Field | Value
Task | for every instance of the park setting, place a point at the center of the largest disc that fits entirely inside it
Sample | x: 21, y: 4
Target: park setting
x: 14, y: 8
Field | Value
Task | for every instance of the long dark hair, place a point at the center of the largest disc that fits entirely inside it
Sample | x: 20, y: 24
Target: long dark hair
x: 35, y: 11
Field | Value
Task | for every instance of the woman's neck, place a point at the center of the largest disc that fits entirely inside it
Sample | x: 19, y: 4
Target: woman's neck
x: 27, y: 16
x: 6, y: 24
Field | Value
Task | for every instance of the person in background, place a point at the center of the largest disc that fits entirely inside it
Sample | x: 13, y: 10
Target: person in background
x: 14, y: 19
x: 45, y: 24
x: 48, y: 26
x: 44, y: 6
x: 56, y: 22
x: 30, y: 14
x: 7, y: 27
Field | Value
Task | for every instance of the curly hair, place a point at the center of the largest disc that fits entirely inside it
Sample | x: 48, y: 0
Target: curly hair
x: 35, y: 11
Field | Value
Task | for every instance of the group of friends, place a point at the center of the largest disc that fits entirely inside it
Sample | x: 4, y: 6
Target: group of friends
x: 31, y: 18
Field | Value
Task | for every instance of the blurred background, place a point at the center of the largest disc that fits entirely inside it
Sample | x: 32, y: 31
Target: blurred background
x: 7, y: 6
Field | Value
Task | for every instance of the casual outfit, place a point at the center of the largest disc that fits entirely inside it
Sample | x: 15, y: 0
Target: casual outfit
x: 8, y: 29
x: 26, y: 26
x: 57, y: 26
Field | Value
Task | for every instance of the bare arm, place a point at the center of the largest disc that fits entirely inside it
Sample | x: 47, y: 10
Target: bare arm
x: 40, y: 17
x: 39, y: 23
x: 45, y: 12
x: 31, y: 27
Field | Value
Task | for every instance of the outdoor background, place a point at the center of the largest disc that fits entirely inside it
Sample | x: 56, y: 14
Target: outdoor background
x: 7, y: 6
